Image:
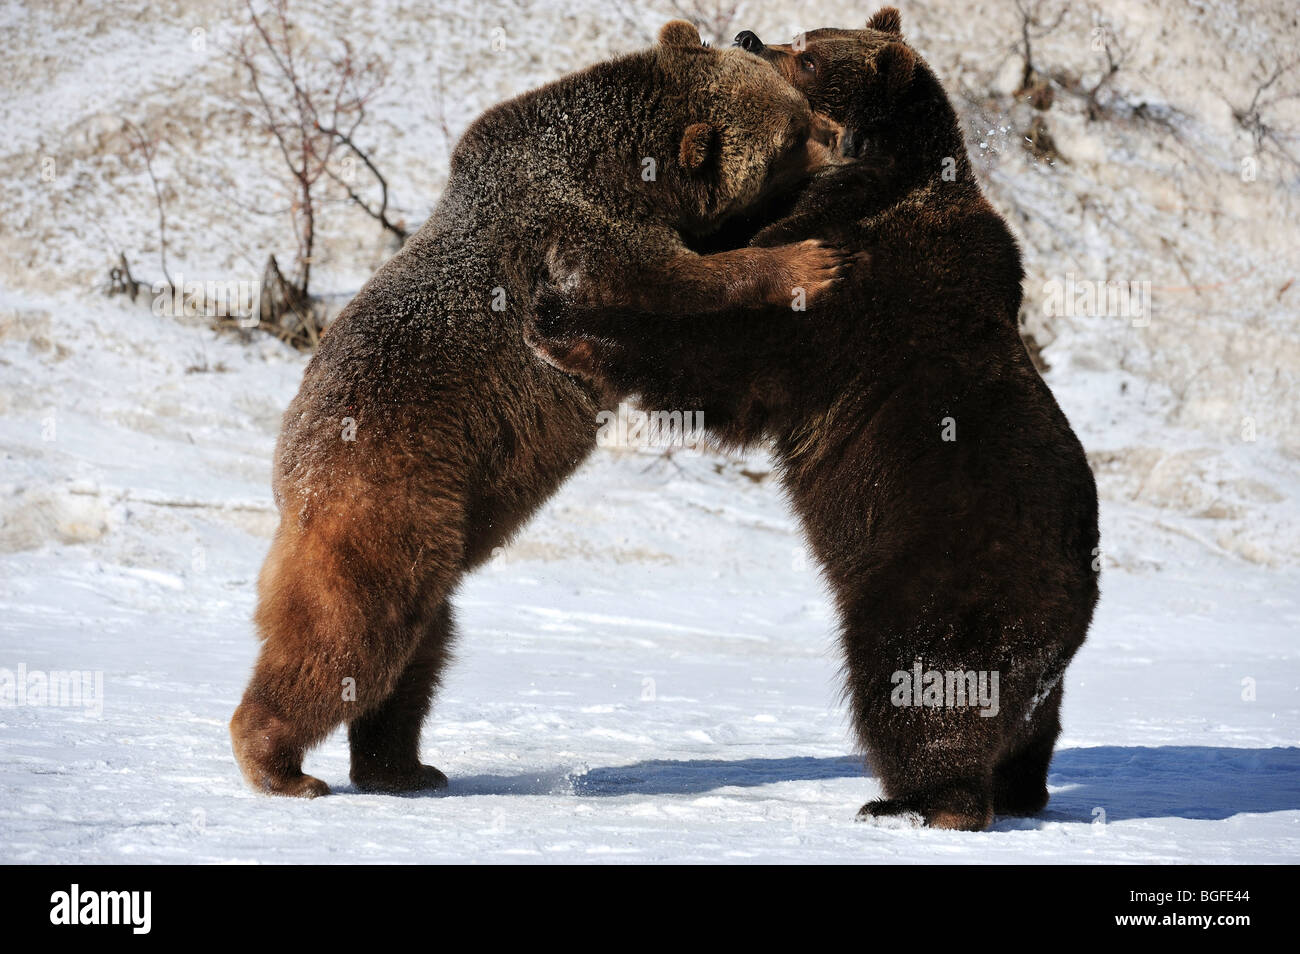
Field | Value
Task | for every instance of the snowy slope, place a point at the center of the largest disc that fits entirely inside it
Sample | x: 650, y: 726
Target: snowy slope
x: 647, y: 674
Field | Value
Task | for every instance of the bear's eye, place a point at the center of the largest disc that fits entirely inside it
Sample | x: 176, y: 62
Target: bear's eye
x: 807, y: 64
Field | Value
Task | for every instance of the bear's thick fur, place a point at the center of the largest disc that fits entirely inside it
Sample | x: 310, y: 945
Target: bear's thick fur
x: 941, y: 487
x: 425, y: 431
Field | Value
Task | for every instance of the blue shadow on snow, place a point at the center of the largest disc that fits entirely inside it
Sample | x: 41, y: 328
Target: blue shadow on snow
x: 1178, y: 781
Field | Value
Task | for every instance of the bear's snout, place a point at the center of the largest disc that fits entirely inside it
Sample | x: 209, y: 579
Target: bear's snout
x: 748, y: 41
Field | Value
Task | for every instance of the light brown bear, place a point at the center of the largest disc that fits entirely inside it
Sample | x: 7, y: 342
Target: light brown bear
x: 426, y: 431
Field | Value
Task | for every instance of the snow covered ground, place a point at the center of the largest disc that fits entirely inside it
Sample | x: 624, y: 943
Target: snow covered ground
x: 647, y: 674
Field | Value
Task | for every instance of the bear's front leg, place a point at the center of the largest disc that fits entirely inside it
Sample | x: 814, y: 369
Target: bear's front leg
x: 687, y: 284
x: 745, y: 277
x: 571, y: 337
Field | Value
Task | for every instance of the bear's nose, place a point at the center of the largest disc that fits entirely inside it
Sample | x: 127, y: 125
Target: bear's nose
x: 748, y: 41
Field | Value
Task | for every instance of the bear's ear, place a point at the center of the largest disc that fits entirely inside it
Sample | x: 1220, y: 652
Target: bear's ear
x: 679, y: 33
x: 699, y: 143
x: 886, y: 20
x: 894, y: 67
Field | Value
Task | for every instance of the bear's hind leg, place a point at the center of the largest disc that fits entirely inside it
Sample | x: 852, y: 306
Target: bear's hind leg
x: 385, y: 741
x: 343, y: 603
x: 1020, y: 777
x: 935, y: 764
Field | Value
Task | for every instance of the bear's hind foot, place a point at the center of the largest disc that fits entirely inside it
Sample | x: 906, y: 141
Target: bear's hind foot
x: 301, y: 786
x: 889, y: 813
x: 420, y: 778
x: 267, y: 754
x: 968, y: 813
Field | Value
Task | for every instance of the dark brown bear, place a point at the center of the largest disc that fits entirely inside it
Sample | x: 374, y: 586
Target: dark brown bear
x: 425, y: 431
x: 941, y: 487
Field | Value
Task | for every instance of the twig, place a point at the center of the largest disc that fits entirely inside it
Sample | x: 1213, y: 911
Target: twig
x: 145, y: 147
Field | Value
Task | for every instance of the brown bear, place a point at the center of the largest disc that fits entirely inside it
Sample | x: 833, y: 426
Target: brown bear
x: 425, y: 431
x: 941, y: 487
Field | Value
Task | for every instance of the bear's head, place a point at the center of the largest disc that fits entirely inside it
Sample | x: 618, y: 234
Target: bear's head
x: 738, y: 131
x: 891, y: 105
